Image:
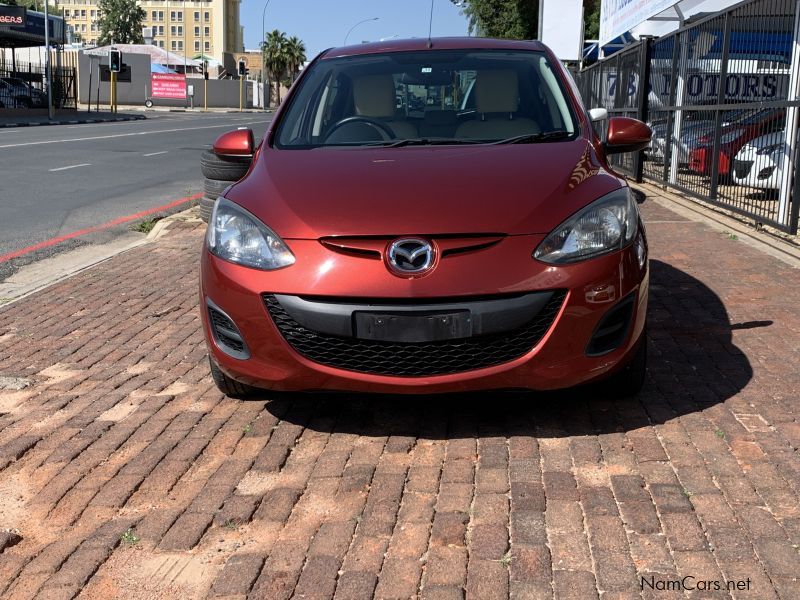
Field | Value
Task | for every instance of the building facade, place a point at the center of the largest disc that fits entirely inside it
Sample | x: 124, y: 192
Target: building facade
x: 188, y: 27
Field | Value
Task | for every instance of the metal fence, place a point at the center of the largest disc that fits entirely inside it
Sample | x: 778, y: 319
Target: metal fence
x: 24, y: 85
x: 721, y: 96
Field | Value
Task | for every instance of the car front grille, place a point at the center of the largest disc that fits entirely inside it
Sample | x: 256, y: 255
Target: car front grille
x: 414, y: 359
x: 742, y: 168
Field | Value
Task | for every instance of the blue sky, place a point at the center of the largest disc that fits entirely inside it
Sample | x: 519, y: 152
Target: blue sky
x: 324, y: 23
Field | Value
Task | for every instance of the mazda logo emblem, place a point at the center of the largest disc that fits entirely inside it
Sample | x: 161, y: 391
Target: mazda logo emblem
x: 409, y: 256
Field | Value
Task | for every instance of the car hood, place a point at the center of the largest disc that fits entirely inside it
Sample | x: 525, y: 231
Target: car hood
x: 751, y: 148
x: 422, y: 190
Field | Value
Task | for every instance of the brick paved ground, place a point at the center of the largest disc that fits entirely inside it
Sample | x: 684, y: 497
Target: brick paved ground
x: 127, y: 475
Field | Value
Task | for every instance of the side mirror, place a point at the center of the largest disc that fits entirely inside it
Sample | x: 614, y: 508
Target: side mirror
x: 627, y: 135
x: 598, y: 114
x: 238, y: 143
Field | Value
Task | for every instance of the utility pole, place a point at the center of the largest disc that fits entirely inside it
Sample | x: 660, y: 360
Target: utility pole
x: 48, y: 74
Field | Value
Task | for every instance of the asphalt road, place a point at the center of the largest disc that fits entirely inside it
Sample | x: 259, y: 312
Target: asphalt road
x: 57, y: 180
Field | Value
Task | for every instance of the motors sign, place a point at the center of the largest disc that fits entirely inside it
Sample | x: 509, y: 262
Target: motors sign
x: 702, y: 88
x: 619, y: 16
x: 171, y: 86
x: 12, y: 16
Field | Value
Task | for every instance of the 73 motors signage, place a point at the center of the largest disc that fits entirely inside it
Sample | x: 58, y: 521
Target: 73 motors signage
x: 12, y: 16
x: 619, y: 16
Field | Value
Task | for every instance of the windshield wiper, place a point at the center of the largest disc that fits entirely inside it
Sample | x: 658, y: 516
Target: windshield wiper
x: 425, y: 142
x: 532, y: 138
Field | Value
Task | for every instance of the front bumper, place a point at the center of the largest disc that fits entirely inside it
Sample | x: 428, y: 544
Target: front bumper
x: 556, y: 357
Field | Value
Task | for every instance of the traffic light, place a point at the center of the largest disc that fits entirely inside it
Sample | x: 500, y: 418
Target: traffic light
x: 242, y: 68
x: 114, y: 60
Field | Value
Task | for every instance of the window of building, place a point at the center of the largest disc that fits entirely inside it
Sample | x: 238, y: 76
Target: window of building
x: 92, y: 13
x: 174, y: 45
x: 173, y: 30
x: 160, y: 43
x: 208, y: 47
x: 94, y: 27
x: 161, y: 15
x: 207, y: 31
x: 154, y: 15
x: 66, y: 12
x: 196, y: 32
x: 180, y: 15
x: 197, y: 15
x: 196, y: 46
x: 180, y: 45
x: 206, y: 16
x: 180, y: 30
x: 161, y: 32
x: 172, y: 16
x: 83, y: 13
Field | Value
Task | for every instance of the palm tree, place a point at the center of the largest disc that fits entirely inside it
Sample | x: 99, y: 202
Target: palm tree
x: 296, y: 51
x: 276, y: 58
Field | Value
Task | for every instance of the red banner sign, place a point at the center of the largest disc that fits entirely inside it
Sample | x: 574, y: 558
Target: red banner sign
x: 169, y: 85
x: 11, y: 16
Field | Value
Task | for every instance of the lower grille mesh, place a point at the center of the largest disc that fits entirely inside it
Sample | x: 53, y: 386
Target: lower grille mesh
x: 225, y: 330
x: 414, y: 359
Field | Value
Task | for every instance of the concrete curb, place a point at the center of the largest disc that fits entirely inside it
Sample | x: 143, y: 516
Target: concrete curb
x: 697, y: 211
x: 74, y: 121
x: 161, y: 228
x: 37, y: 276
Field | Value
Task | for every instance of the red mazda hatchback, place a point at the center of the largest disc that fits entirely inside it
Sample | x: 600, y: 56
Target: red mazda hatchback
x: 428, y: 217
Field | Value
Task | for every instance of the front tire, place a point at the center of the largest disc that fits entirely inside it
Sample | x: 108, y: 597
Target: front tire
x: 628, y: 382
x: 229, y: 387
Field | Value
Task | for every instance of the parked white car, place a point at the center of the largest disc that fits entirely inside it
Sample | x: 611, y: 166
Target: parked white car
x: 759, y: 163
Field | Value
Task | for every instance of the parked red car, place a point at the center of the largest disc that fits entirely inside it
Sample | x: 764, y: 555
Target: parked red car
x: 481, y: 243
x: 733, y: 138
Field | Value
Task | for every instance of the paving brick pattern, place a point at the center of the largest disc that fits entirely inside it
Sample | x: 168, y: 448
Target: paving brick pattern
x: 127, y: 475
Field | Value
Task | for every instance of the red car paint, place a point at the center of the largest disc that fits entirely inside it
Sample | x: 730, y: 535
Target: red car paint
x: 508, y: 196
x: 700, y: 158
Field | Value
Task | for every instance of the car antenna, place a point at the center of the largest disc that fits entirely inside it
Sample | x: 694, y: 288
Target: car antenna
x: 430, y: 26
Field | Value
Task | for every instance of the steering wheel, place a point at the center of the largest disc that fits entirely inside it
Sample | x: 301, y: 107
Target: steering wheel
x: 380, y: 126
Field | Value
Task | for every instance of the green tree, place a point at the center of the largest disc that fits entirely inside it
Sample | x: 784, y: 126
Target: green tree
x: 296, y: 54
x: 276, y: 58
x: 591, y: 19
x: 120, y: 20
x: 513, y: 19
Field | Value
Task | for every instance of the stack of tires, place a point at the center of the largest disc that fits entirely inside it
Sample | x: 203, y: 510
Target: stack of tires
x: 219, y: 173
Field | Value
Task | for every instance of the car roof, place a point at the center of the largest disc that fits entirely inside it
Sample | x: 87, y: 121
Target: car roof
x: 443, y: 43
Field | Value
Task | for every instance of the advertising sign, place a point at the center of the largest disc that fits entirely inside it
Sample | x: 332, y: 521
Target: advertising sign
x: 12, y: 16
x: 702, y: 88
x: 561, y: 27
x: 619, y: 16
x: 169, y: 85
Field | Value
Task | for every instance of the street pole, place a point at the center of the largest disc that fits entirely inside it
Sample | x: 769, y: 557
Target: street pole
x: 112, y: 96
x: 241, y: 92
x: 48, y: 75
x: 356, y: 25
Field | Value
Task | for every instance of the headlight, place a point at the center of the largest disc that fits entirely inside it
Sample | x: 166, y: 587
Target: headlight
x: 606, y: 225
x: 239, y: 237
x: 771, y: 149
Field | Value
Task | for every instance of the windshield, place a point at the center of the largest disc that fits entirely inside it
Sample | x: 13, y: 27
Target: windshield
x: 428, y: 97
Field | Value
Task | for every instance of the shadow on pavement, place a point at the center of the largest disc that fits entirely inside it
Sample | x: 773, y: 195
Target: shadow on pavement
x: 693, y: 364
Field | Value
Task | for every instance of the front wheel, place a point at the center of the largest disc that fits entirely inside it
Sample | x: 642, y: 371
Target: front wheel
x: 229, y: 387
x: 148, y: 103
x: 629, y: 382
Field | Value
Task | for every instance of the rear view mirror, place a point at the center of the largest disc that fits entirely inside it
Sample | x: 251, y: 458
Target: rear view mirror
x: 627, y: 135
x: 238, y: 143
